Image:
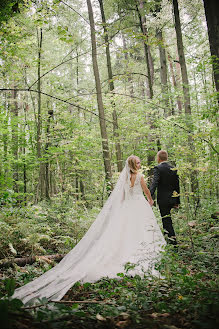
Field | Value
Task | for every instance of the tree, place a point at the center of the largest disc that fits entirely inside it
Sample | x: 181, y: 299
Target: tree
x: 163, y: 72
x: 163, y: 63
x: 212, y: 18
x: 175, y: 84
x: 142, y: 22
x: 182, y: 60
x: 14, y: 117
x: 9, y: 8
x: 186, y: 93
x: 41, y: 183
x: 106, y: 153
x: 111, y: 87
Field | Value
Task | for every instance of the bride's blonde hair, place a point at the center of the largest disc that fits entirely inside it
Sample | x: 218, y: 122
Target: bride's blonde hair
x: 132, y: 163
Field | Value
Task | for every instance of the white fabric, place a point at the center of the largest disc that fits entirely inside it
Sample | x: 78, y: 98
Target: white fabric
x: 124, y: 231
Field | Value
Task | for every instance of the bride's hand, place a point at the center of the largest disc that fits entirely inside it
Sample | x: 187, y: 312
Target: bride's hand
x: 151, y: 202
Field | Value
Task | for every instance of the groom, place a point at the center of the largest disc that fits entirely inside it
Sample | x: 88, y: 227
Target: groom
x: 166, y: 181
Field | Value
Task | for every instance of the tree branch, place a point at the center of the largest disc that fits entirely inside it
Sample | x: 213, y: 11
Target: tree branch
x: 59, y: 99
x: 86, y: 110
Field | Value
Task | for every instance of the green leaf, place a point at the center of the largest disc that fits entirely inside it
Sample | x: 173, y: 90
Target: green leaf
x: 9, y: 286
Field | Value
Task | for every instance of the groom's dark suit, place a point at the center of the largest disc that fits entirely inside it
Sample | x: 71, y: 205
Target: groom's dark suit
x: 166, y: 181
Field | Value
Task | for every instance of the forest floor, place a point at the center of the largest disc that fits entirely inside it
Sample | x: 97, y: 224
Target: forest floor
x: 187, y: 296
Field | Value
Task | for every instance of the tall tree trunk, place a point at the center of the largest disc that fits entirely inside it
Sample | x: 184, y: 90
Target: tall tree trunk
x: 47, y: 178
x: 126, y: 66
x: 82, y: 188
x: 14, y: 117
x: 111, y: 86
x: 186, y: 93
x: 24, y: 147
x: 163, y: 72
x: 106, y: 153
x: 40, y: 189
x: 5, y: 140
x: 182, y: 61
x: 175, y: 84
x: 150, y: 70
x: 24, y: 152
x: 142, y: 21
x: 39, y: 120
x: 212, y: 18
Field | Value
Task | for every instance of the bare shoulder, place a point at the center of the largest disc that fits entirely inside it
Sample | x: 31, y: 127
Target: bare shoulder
x: 142, y: 179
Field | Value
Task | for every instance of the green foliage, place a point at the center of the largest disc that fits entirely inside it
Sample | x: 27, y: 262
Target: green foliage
x: 45, y: 228
x: 8, y: 305
x: 9, y: 8
x: 185, y: 296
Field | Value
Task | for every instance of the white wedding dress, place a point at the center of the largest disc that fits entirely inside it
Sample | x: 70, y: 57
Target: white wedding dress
x: 125, y: 231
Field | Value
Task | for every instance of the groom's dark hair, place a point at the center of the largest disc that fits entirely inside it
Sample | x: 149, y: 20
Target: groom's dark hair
x: 163, y: 155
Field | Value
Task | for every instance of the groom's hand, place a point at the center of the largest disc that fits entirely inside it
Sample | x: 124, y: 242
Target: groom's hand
x: 176, y: 206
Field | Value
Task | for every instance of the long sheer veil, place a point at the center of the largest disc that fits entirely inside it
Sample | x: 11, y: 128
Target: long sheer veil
x: 75, y: 265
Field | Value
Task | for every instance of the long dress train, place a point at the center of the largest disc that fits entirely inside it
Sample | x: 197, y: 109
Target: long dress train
x: 125, y: 231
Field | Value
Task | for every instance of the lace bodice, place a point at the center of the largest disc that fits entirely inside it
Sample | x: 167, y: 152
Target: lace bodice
x: 135, y: 192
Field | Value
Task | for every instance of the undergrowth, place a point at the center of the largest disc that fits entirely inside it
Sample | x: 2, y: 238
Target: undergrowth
x: 186, y: 296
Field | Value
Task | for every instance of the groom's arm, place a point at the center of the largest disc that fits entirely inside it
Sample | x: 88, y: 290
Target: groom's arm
x: 155, y: 181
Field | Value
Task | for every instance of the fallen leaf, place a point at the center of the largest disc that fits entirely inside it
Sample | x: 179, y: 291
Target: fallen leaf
x: 192, y: 223
x: 165, y: 315
x: 122, y: 324
x: 124, y: 316
x: 100, y: 317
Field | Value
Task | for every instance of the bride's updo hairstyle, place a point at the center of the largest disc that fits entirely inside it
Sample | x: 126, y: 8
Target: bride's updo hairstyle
x: 132, y: 163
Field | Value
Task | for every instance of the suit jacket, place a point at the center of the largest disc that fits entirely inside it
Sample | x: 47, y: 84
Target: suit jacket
x: 166, y: 181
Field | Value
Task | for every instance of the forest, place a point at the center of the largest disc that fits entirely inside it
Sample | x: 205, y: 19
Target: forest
x: 83, y: 85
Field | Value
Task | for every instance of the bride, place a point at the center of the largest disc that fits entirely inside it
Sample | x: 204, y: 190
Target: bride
x: 125, y: 231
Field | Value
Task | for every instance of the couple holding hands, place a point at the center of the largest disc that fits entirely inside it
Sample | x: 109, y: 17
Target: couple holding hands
x: 124, y: 232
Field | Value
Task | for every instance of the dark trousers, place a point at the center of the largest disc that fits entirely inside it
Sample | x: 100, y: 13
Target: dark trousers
x: 167, y: 223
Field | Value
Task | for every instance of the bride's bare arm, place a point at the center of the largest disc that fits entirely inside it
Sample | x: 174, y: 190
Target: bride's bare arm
x: 146, y: 191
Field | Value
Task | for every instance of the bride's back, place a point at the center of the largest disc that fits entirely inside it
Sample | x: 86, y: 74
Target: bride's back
x: 133, y: 188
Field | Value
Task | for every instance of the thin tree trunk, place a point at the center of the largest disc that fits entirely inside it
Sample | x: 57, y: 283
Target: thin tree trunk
x: 106, y: 153
x: 77, y: 77
x: 5, y: 140
x: 186, y: 94
x: 14, y: 114
x: 172, y: 105
x: 24, y: 148
x: 39, y: 120
x: 24, y: 153
x: 82, y: 189
x: 163, y: 72
x: 76, y: 184
x: 111, y: 86
x: 175, y: 84
x: 126, y: 66
x: 47, y: 180
x: 40, y: 189
x: 149, y: 64
x: 142, y: 21
x: 196, y: 91
x: 182, y: 61
x: 212, y: 18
